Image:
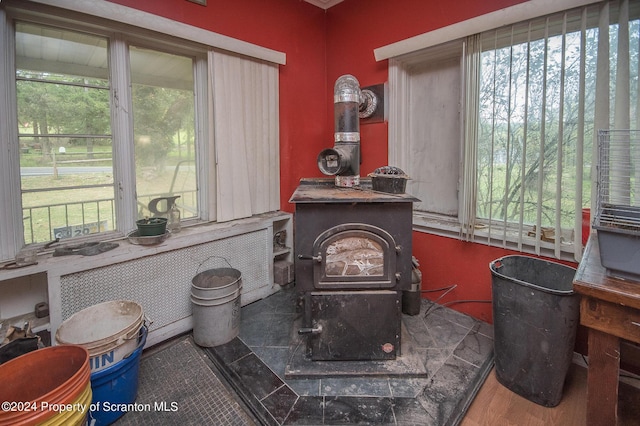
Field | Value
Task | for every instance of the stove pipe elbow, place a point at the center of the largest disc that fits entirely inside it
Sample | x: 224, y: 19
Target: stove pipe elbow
x: 343, y: 160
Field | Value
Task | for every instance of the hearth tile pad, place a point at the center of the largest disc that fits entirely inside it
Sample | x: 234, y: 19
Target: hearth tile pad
x: 456, y: 352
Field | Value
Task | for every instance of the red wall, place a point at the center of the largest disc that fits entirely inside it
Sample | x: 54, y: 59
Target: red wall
x: 320, y: 46
x: 354, y: 29
x: 294, y: 27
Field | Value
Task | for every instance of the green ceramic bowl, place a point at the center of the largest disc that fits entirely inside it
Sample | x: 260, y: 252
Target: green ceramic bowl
x: 152, y: 226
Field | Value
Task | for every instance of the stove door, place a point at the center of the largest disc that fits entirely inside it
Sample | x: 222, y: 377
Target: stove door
x: 355, y: 325
x: 355, y: 255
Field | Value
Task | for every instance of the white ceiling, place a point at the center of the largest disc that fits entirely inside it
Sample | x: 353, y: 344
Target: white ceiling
x: 324, y: 4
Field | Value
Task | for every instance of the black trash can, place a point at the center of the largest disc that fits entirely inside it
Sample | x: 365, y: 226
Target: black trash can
x: 535, y: 319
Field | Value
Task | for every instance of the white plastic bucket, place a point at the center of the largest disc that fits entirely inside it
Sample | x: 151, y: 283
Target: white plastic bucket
x: 109, y: 331
x: 215, y: 299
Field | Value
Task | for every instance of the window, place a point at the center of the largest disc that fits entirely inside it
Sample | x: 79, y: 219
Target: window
x: 529, y: 115
x: 67, y: 156
x: 105, y: 122
x: 164, y: 131
x: 64, y: 132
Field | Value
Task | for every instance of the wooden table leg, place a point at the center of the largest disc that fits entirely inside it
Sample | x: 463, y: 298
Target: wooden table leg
x: 602, y: 379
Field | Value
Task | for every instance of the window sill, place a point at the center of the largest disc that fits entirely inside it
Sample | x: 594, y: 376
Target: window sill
x: 447, y: 226
x: 126, y: 251
x: 444, y: 226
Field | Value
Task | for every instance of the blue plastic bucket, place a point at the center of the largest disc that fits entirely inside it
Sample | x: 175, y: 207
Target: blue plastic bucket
x: 115, y: 385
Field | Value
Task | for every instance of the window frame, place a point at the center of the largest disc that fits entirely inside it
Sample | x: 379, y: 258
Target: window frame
x: 454, y: 226
x: 126, y: 25
x: 124, y: 168
x: 400, y: 113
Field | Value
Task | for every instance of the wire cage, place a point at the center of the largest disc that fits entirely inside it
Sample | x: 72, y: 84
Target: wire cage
x: 617, y: 218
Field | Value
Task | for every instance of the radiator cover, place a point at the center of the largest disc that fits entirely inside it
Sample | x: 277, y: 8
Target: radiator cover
x: 161, y: 283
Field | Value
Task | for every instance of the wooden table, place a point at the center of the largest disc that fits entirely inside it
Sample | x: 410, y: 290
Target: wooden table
x: 610, y: 308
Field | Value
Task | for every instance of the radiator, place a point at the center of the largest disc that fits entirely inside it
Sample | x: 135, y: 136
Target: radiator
x: 161, y: 283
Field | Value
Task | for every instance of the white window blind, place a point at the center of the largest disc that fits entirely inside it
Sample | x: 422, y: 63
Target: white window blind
x: 532, y: 97
x: 538, y: 109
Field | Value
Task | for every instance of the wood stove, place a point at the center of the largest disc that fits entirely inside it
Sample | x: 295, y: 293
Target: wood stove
x: 353, y: 259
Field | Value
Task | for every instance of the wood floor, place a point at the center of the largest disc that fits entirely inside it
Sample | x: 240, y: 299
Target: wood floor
x: 495, y: 405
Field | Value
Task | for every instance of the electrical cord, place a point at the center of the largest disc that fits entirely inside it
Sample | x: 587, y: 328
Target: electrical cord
x: 435, y: 305
x: 453, y: 302
x: 446, y: 290
x: 432, y: 290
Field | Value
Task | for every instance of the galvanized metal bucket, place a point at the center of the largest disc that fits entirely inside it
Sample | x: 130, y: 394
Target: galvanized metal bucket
x: 215, y: 304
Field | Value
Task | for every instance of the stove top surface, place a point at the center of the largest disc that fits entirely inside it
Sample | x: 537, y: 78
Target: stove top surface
x: 324, y: 190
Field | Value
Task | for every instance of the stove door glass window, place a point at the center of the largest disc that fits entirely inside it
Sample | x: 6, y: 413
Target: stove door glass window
x: 355, y: 256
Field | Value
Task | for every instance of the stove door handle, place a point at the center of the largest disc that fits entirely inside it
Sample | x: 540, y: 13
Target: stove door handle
x: 307, y: 257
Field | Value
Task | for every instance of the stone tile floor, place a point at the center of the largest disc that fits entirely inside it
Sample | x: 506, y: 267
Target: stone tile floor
x: 457, y: 352
x: 244, y: 382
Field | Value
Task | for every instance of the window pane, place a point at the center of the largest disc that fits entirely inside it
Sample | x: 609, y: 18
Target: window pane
x: 529, y: 106
x: 435, y: 184
x: 164, y: 131
x: 64, y: 133
x: 537, y: 120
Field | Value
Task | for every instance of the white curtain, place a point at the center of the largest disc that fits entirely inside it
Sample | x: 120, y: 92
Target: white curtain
x: 246, y: 136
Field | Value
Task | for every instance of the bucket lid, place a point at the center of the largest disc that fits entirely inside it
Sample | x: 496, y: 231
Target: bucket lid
x: 107, y: 345
x: 99, y: 324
